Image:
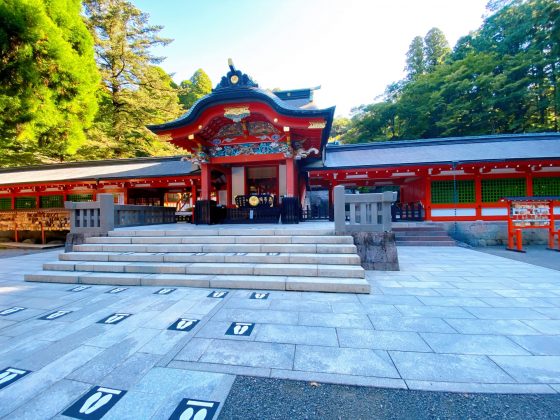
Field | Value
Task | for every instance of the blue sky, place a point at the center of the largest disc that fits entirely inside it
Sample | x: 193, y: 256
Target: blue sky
x: 352, y: 48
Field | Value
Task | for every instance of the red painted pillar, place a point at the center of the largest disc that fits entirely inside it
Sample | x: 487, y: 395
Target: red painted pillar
x: 428, y: 197
x: 478, y: 195
x: 290, y: 178
x: 529, y: 181
x: 205, y: 179
x: 193, y: 194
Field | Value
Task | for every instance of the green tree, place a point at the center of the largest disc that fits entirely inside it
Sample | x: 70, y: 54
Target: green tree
x: 193, y: 89
x: 48, y: 80
x: 415, y: 64
x: 436, y: 49
x: 135, y: 92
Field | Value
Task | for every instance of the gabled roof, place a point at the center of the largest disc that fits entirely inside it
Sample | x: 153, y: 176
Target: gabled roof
x: 444, y: 150
x: 237, y: 86
x: 98, y: 170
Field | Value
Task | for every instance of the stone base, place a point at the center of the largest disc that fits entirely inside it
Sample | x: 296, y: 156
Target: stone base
x: 77, y: 239
x: 481, y: 233
x: 377, y: 250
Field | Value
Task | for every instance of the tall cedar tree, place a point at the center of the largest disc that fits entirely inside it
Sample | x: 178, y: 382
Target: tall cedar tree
x: 415, y: 65
x: 195, y: 88
x: 135, y: 92
x: 48, y: 80
x: 502, y: 78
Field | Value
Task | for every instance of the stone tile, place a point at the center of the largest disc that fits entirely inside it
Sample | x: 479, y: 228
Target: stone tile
x: 38, y: 381
x: 517, y: 302
x: 552, y: 313
x: 248, y: 282
x: 433, y: 311
x: 410, y: 324
x: 219, y: 368
x: 479, y: 388
x: 136, y: 404
x: 372, y: 300
x: 163, y: 342
x: 542, y: 345
x: 448, y: 368
x: 335, y: 320
x: 506, y: 313
x: 328, y: 284
x: 300, y: 305
x: 297, y: 334
x: 101, y: 365
x: 472, y: 344
x: 241, y: 303
x: 407, y: 291
x: 491, y: 326
x: 375, y: 310
x: 127, y: 374
x: 245, y: 353
x: 334, y: 378
x: 257, y: 316
x: 451, y: 301
x: 51, y: 401
x: 193, y: 349
x: 531, y: 369
x: 362, y: 362
x: 217, y: 329
x: 382, y: 340
x: 168, y: 381
x: 545, y: 326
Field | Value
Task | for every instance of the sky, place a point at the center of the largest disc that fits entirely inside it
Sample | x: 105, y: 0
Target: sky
x: 352, y: 48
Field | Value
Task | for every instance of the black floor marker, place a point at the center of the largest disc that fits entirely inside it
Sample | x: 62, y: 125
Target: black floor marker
x: 217, y: 294
x: 240, y: 328
x: 95, y: 404
x: 259, y: 296
x: 12, y: 310
x: 189, y: 409
x: 55, y: 315
x: 183, y: 324
x: 9, y: 375
x: 114, y: 318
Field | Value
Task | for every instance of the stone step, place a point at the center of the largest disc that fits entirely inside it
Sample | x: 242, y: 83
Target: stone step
x: 418, y: 229
x: 247, y: 269
x: 182, y: 248
x: 411, y: 234
x: 214, y: 239
x: 426, y: 243
x: 217, y: 257
x: 300, y: 283
x: 202, y: 231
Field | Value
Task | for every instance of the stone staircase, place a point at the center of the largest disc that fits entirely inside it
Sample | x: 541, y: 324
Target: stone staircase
x: 421, y: 234
x: 269, y: 259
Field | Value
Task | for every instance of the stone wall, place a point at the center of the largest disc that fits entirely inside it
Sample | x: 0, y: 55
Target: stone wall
x: 481, y: 233
x: 377, y: 250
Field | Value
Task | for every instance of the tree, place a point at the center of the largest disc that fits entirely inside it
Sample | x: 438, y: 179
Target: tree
x: 415, y: 64
x: 436, y: 49
x: 196, y: 87
x: 135, y: 92
x: 48, y: 80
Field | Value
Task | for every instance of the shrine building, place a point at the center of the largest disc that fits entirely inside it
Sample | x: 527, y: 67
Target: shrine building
x: 254, y: 155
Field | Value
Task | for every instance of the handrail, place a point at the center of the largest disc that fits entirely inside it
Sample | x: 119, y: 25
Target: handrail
x: 366, y: 212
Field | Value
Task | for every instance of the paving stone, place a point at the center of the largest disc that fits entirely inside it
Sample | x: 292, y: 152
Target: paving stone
x: 245, y: 353
x: 328, y: 284
x: 136, y: 404
x: 242, y: 303
x: 452, y: 301
x: 479, y: 388
x: 249, y: 282
x: 376, y: 310
x: 335, y: 378
x: 472, y: 344
x: 335, y: 320
x: 194, y: 384
x: 552, y: 313
x: 220, y: 368
x: 256, y: 315
x: 101, y: 365
x: 362, y: 362
x: 407, y: 291
x: 51, y: 401
x: 382, y: 340
x: 297, y: 334
x: 127, y: 374
x: 545, y: 326
x: 542, y: 345
x: 517, y: 302
x: 37, y: 382
x: 433, y: 311
x: 416, y: 324
x: 506, y: 313
x: 163, y: 342
x: 300, y: 305
x: 491, y: 326
x: 371, y: 300
x: 448, y: 368
x: 531, y: 369
x: 193, y: 349
x: 217, y: 329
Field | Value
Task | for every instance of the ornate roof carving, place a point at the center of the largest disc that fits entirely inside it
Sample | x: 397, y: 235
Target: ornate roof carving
x: 235, y: 79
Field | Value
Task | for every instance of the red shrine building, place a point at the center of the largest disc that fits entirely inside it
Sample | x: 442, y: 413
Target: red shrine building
x: 254, y: 155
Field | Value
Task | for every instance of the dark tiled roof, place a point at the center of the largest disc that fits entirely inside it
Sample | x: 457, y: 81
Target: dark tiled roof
x: 98, y: 170
x: 446, y: 150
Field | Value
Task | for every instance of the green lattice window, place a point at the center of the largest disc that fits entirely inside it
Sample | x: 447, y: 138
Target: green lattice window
x: 52, y: 201
x: 495, y: 189
x: 25, y: 203
x: 80, y: 197
x: 546, y: 187
x: 460, y: 191
x: 5, y: 203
